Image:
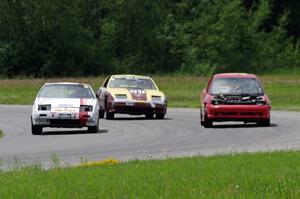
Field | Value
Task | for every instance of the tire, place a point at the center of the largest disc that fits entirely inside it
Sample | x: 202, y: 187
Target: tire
x: 207, y: 123
x: 265, y: 122
x: 101, y: 114
x: 110, y: 115
x: 94, y: 129
x: 160, y: 116
x: 201, y: 118
x: 149, y: 115
x: 36, y: 129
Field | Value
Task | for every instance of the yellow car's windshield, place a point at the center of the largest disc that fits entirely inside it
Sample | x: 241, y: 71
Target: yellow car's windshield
x: 132, y: 83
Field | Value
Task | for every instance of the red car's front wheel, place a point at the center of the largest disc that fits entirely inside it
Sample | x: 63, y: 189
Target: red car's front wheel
x: 207, y: 123
x: 264, y: 122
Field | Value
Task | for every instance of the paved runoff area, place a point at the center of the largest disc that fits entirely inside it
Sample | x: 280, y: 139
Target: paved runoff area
x: 134, y: 137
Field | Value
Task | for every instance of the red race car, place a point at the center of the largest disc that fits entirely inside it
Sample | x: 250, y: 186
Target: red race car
x: 234, y: 97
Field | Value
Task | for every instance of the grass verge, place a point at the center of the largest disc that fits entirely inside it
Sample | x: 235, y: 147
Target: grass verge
x: 182, y: 91
x: 258, y: 175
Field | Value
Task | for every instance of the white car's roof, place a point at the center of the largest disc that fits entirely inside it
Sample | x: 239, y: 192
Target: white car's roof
x: 70, y: 83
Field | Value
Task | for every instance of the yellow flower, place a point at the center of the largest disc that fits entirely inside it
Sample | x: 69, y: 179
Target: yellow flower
x: 105, y: 162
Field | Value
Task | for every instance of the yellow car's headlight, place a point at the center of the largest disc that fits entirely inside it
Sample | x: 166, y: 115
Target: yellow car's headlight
x: 156, y: 98
x: 121, y: 96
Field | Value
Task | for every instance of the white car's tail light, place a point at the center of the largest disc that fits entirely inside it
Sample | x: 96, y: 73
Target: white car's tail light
x: 86, y: 108
x: 44, y: 107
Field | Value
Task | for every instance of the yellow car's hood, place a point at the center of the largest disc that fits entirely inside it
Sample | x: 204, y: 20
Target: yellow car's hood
x: 131, y: 93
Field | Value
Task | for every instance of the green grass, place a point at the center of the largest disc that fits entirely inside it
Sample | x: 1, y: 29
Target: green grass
x: 1, y: 134
x: 259, y: 175
x: 182, y: 91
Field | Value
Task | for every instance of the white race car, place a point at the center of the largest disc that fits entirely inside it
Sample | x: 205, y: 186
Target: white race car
x: 68, y: 105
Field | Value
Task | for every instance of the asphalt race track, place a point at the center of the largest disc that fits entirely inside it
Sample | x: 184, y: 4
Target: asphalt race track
x: 131, y: 137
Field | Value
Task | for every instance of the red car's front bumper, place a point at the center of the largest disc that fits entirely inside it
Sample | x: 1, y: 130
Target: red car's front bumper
x: 238, y: 112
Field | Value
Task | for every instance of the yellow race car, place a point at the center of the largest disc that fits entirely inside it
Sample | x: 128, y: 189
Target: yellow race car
x: 131, y: 94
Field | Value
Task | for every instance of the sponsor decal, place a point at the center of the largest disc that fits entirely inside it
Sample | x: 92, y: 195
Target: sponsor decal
x: 138, y: 94
x: 69, y: 110
x: 65, y: 105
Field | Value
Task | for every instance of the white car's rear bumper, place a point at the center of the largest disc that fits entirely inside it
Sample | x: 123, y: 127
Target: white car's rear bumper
x: 64, y: 119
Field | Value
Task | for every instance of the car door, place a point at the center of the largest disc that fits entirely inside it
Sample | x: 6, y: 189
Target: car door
x: 205, y: 92
x: 102, y: 93
x: 203, y: 95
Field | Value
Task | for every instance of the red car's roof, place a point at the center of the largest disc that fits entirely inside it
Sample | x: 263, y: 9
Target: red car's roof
x: 235, y: 75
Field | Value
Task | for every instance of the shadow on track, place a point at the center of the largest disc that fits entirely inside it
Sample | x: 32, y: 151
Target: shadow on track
x: 73, y: 132
x: 138, y: 118
x: 223, y: 126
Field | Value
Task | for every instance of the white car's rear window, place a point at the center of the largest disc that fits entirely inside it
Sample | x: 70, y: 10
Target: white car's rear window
x: 66, y: 91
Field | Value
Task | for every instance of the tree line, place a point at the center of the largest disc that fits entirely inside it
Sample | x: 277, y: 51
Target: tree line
x: 93, y: 37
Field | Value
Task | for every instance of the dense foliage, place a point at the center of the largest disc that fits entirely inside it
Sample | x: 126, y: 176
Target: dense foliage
x: 92, y: 37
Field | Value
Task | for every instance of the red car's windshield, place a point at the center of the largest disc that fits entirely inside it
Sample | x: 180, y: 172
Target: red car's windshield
x: 236, y: 86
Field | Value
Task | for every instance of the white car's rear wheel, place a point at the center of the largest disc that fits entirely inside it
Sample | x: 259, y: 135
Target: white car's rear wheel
x: 94, y: 129
x: 36, y: 129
